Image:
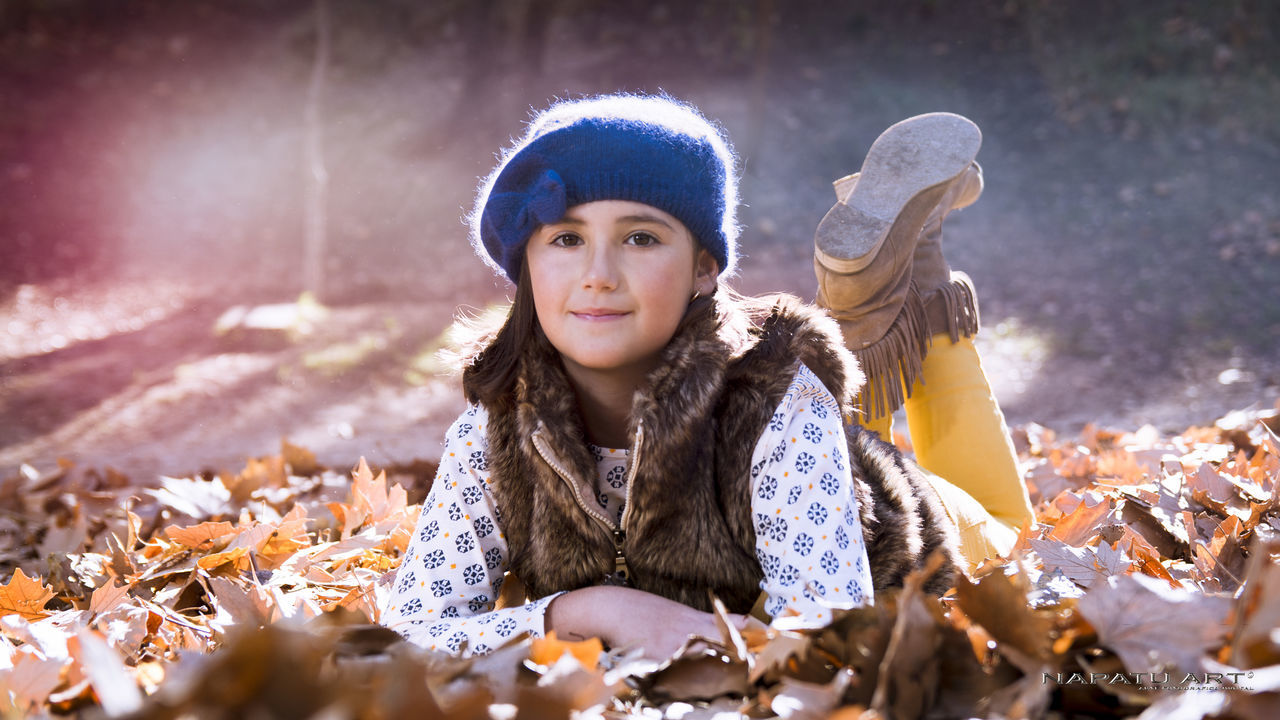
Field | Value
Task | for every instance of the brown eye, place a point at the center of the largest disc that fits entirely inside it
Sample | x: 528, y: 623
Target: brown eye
x: 566, y: 240
x: 642, y: 239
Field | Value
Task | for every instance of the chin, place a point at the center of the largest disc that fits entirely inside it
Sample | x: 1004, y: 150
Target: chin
x: 600, y: 363
x: 606, y: 360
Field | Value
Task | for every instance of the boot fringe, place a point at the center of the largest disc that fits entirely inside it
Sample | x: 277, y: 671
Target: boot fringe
x: 893, y: 362
x: 954, y: 308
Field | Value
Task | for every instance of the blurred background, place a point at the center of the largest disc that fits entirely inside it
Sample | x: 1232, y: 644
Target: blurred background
x: 168, y: 167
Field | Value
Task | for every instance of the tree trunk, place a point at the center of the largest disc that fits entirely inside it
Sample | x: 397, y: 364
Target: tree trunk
x: 317, y: 177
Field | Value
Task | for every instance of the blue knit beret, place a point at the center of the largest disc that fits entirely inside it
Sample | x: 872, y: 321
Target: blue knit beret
x: 648, y: 149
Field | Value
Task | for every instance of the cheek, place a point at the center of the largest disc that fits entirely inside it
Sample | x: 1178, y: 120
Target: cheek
x: 668, y: 294
x: 546, y: 283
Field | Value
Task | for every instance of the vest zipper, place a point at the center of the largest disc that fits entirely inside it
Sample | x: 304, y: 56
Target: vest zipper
x: 633, y: 466
x: 549, y: 458
x: 620, y: 576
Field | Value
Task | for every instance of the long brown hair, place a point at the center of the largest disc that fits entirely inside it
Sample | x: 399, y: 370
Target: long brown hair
x: 490, y: 374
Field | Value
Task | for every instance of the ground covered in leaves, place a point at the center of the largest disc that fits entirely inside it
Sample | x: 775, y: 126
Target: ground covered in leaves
x: 1150, y: 583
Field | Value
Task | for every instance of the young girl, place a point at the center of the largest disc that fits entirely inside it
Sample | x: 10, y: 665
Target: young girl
x: 639, y: 438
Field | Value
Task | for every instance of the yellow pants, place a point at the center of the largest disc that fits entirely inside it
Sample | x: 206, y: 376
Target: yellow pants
x: 960, y: 437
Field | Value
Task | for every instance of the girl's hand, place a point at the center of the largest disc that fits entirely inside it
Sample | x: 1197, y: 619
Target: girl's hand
x: 627, y: 618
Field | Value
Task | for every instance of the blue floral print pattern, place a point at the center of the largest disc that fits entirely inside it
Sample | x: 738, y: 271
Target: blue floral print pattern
x: 453, y: 569
x: 810, y: 545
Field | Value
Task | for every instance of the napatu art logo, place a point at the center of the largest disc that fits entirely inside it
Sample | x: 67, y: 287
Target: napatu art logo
x: 1153, y: 680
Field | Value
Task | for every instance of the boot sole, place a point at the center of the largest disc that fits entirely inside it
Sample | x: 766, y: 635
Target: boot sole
x: 908, y: 159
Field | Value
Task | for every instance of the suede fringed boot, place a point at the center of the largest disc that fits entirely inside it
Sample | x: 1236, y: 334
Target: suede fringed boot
x: 951, y: 303
x: 876, y: 274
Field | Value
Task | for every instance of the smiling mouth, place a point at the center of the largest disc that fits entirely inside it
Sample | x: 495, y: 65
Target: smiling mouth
x: 598, y: 315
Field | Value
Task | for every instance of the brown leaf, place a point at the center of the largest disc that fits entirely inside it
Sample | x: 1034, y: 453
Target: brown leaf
x: 806, y: 700
x: 907, y: 682
x: 1044, y: 483
x: 1166, y: 537
x: 1134, y: 615
x: 25, y: 596
x: 300, y: 460
x: 1083, y: 566
x: 999, y: 604
x: 1080, y: 524
x: 107, y: 597
x: 698, y: 674
x: 194, y: 498
x: 213, y: 560
x: 564, y: 688
x: 780, y: 648
x: 1222, y: 558
x: 111, y: 680
x: 121, y: 564
x: 31, y: 680
x: 67, y: 537
x: 202, y: 536
x: 547, y: 650
x: 1225, y: 496
x: 1208, y: 484
x: 247, y: 604
x: 286, y: 537
x: 730, y: 635
x: 125, y: 628
x: 1146, y: 557
x: 1257, y: 610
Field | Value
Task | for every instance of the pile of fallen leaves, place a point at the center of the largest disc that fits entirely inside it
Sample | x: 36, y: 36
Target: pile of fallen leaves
x: 1151, y: 582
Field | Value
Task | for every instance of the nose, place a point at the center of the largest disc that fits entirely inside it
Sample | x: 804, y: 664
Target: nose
x: 601, y: 272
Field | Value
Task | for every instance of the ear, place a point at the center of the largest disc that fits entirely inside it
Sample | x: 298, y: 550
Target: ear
x: 705, y: 272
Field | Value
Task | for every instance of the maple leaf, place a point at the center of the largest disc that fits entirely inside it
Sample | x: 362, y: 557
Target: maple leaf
x: 798, y: 699
x: 1083, y: 565
x: 31, y: 680
x: 700, y: 672
x: 998, y: 603
x: 300, y: 460
x: 1221, y: 559
x: 247, y: 604
x: 1152, y: 626
x: 194, y: 497
x: 547, y: 650
x: 203, y: 536
x: 1079, y: 525
x: 107, y: 597
x: 780, y: 648
x: 1257, y: 610
x: 112, y: 681
x: 1044, y: 483
x: 25, y: 596
x: 125, y: 627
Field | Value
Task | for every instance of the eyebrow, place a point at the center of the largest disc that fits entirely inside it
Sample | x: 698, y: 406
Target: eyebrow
x: 570, y: 220
x: 646, y: 218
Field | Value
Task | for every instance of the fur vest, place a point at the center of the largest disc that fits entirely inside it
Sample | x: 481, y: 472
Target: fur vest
x: 687, y: 528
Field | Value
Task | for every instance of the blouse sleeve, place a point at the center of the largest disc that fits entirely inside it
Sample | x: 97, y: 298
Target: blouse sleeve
x: 445, y: 589
x: 808, y: 535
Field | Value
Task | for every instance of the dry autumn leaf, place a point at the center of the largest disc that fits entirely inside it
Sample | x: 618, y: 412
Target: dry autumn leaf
x: 1083, y: 565
x: 1078, y: 525
x: 1136, y: 616
x: 204, y: 535
x: 547, y: 650
x: 24, y: 596
x: 171, y: 577
x: 998, y: 603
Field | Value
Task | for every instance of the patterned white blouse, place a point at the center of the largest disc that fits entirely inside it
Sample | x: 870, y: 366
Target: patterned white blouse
x: 808, y: 536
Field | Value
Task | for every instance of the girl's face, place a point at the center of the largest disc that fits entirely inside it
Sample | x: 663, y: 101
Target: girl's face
x: 612, y: 280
